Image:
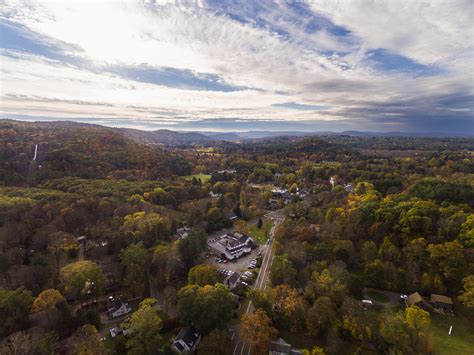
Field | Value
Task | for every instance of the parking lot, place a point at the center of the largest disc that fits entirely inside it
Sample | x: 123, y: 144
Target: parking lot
x: 241, y: 264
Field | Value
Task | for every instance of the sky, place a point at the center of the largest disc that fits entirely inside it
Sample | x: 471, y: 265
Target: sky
x: 325, y: 65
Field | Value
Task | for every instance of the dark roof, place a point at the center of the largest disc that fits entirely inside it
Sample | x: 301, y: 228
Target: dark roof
x: 115, y: 305
x: 233, y: 278
x: 189, y: 335
x: 441, y: 299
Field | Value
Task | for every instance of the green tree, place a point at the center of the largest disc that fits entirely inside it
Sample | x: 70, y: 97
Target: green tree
x: 82, y: 277
x: 466, y: 235
x: 419, y: 325
x: 86, y: 341
x: 218, y: 342
x: 191, y: 247
x: 395, y: 332
x: 448, y: 259
x: 14, y: 308
x: 207, y: 307
x: 46, y: 305
x: 282, y: 271
x: 147, y: 227
x: 135, y: 259
x: 144, y: 329
x: 324, y: 284
x: 320, y: 316
x: 203, y: 275
x: 467, y: 296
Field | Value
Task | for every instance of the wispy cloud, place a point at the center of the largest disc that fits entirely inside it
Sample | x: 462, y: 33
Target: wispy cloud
x: 331, y: 63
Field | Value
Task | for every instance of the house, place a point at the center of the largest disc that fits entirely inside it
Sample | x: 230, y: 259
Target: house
x: 281, y: 347
x: 442, y: 303
x: 118, y: 308
x: 182, y: 233
x: 232, y: 246
x: 277, y: 192
x: 232, y: 280
x: 415, y: 299
x: 187, y: 340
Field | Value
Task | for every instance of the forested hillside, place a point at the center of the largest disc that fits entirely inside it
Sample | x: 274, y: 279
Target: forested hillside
x: 341, y: 228
x: 70, y: 149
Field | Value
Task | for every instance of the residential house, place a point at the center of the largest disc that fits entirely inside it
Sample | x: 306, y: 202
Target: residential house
x: 415, y: 299
x: 233, y: 280
x: 118, y: 308
x: 281, y: 347
x: 182, y: 233
x: 187, y: 340
x: 442, y: 303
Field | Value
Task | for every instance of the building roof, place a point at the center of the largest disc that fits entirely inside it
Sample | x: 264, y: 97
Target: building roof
x: 189, y: 335
x: 233, y: 278
x: 414, y: 298
x: 441, y: 299
x: 116, y: 305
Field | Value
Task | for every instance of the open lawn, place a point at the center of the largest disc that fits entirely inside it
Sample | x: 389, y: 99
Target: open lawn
x: 261, y: 235
x: 461, y: 340
x: 203, y: 177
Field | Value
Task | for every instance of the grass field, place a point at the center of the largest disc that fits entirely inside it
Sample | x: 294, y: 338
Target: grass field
x: 260, y: 235
x: 461, y: 340
x: 204, y: 177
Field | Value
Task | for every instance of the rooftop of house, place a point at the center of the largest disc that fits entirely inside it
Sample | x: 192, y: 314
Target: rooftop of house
x: 414, y: 298
x: 188, y: 335
x: 233, y: 278
x: 441, y: 299
x: 115, y: 305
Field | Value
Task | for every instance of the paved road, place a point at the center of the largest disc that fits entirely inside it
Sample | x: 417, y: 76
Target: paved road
x: 240, y: 347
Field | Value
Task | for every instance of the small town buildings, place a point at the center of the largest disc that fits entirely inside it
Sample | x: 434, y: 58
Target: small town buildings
x: 233, y: 280
x: 281, y: 347
x: 277, y: 192
x: 182, y: 233
x: 118, y: 308
x: 232, y: 245
x: 415, y: 299
x: 187, y: 340
x: 442, y: 303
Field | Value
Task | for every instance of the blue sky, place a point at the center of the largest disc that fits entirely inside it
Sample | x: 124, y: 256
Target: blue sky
x: 394, y: 65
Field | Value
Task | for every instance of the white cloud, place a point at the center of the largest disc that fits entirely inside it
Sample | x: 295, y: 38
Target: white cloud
x: 276, y: 68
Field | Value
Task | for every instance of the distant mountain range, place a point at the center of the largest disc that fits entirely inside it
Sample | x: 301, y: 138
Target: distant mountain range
x: 173, y: 138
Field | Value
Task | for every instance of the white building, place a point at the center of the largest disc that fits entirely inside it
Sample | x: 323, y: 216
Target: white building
x: 118, y: 308
x: 186, y: 340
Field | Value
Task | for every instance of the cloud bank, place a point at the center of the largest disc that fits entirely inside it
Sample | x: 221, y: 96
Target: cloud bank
x: 231, y: 65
